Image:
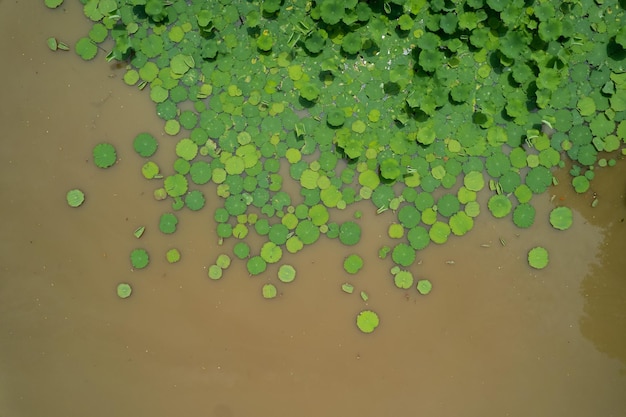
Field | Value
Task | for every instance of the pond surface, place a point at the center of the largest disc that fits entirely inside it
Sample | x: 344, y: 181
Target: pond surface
x: 494, y: 337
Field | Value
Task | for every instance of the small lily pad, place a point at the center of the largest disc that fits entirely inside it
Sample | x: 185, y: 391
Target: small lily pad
x: 75, y: 197
x: 104, y: 155
x: 353, y: 264
x: 269, y: 291
x: 538, y: 257
x: 286, y: 273
x: 367, y: 321
x: 172, y: 256
x: 139, y: 258
x: 424, y: 286
x: 561, y: 218
x: 124, y: 290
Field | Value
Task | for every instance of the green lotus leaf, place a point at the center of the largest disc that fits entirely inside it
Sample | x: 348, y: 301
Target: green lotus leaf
x: 167, y: 223
x: 194, y: 200
x: 86, y: 48
x: 367, y: 321
x: 351, y: 43
x: 424, y: 286
x: 474, y: 181
x: 561, y: 218
x: 278, y: 233
x: 524, y: 215
x: 286, y: 273
x: 315, y: 42
x: 439, y: 232
x: 172, y: 255
x: 349, y: 233
x: 409, y: 216
x: 499, y: 205
x: 403, y: 279
x: 215, y: 272
x: 269, y: 291
x: 139, y: 258
x: 390, y: 169
x: 265, y: 42
x: 175, y: 185
x: 145, y: 144
x: 353, y: 264
x: 332, y: 11
x: 124, y: 290
x: 307, y: 232
x: 418, y: 238
x: 309, y: 92
x: 538, y: 257
x: 200, y: 172
x: 256, y: 265
x: 461, y: 223
x: 448, y: 204
x: 403, y: 254
x: 53, y: 4
x: 75, y: 197
x: 104, y: 155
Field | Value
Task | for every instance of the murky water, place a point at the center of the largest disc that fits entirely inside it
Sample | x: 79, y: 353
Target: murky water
x: 494, y: 338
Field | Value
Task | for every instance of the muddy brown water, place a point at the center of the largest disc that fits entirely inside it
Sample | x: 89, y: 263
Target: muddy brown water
x: 494, y: 338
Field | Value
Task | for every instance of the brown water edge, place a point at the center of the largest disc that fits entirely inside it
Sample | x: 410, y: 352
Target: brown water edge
x: 494, y: 338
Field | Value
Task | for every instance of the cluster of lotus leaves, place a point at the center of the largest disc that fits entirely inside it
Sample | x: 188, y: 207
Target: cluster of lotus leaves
x: 415, y: 106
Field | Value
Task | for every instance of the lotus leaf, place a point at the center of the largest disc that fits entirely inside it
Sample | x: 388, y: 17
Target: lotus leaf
x: 367, y: 321
x: 75, y: 197
x: 538, y: 257
x: 424, y: 286
x: 561, y: 218
x: 124, y: 290
x: 139, y: 258
x: 353, y: 264
x: 403, y: 279
x: 104, y: 155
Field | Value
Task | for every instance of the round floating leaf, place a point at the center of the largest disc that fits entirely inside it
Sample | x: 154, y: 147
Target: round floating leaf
x: 269, y: 291
x: 474, y: 181
x: 538, y: 257
x: 367, y: 321
x: 271, y: 253
x: 580, y: 183
x: 186, y: 149
x: 215, y: 272
x: 403, y: 254
x: 175, y: 185
x: 350, y: 233
x: 335, y: 117
x: 286, y: 273
x: 409, y: 216
x: 75, y: 197
x: 53, y: 3
x: 353, y: 264
x: 172, y: 255
x: 124, y: 290
x: 318, y: 214
x: 223, y: 261
x: 461, y: 223
x: 139, y: 258
x: 424, y: 286
x: 524, y: 215
x: 256, y: 265
x: 439, y: 232
x: 396, y: 231
x: 561, y: 218
x: 418, y: 238
x: 104, y: 155
x: 499, y: 205
x: 241, y: 250
x: 167, y: 223
x: 403, y: 280
x: 86, y: 48
x: 194, y: 200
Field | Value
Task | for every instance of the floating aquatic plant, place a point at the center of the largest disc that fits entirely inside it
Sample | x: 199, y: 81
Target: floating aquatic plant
x: 416, y: 107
